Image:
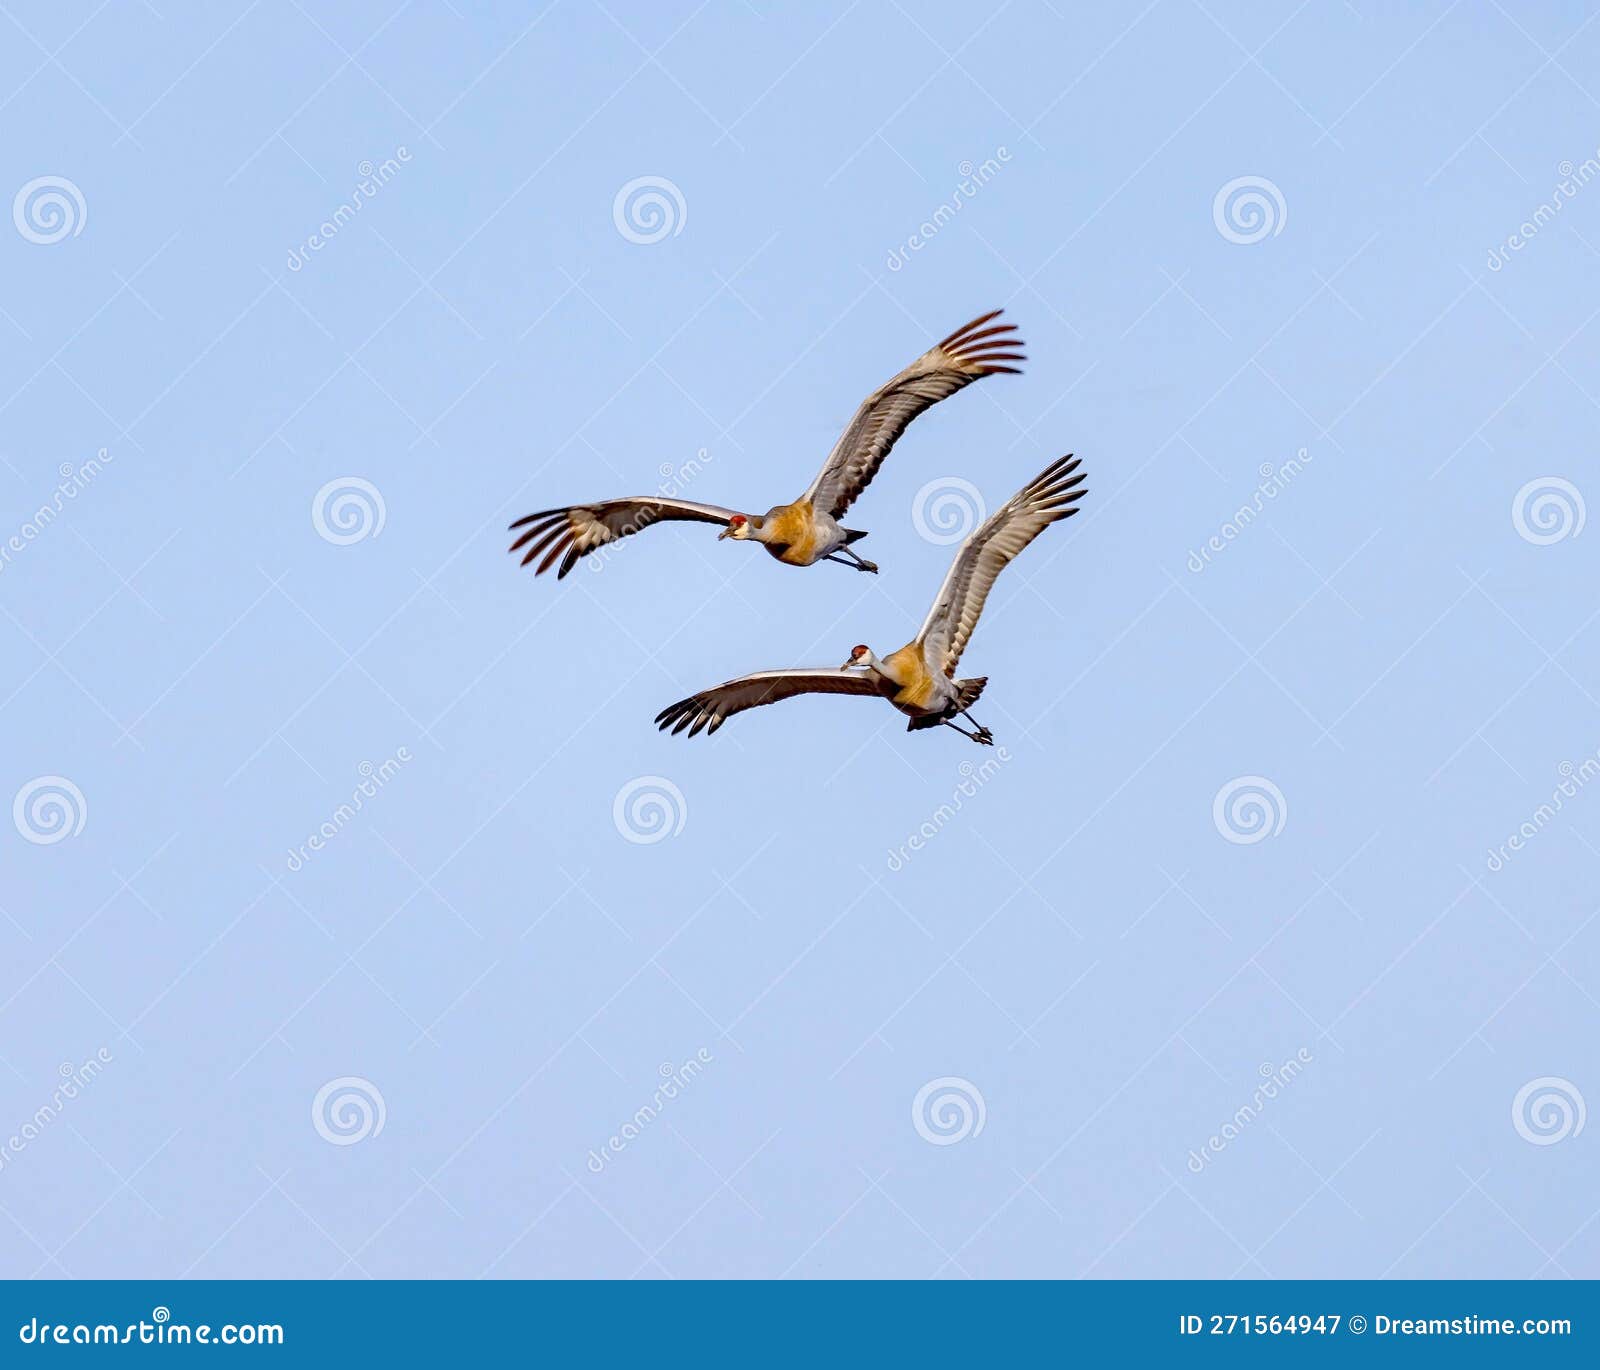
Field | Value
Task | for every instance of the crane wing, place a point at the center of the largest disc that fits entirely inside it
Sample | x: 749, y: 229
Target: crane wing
x: 580, y: 529
x: 718, y: 704
x: 968, y: 354
x: 1051, y: 495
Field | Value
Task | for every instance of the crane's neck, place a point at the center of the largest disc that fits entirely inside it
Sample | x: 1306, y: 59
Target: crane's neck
x: 877, y: 667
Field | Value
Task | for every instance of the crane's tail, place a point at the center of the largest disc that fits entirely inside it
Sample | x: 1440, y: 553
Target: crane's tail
x: 853, y: 535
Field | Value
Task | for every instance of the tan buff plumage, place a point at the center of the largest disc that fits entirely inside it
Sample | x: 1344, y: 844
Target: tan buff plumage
x: 807, y: 531
x: 918, y: 679
x: 916, y: 685
x: 792, y: 533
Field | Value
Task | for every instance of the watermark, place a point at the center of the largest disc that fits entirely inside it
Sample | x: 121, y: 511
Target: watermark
x: 348, y: 509
x: 973, y: 179
x: 649, y: 209
x: 973, y: 778
x: 1275, y: 479
x: 373, y: 179
x: 1573, y: 179
x: 49, y: 809
x: 373, y: 779
x: 675, y: 479
x: 1547, y: 1110
x: 1249, y: 209
x: 1548, y: 509
x: 159, y: 1331
x: 1275, y: 1079
x: 649, y: 809
x: 1573, y: 779
x: 48, y: 209
x: 948, y: 1110
x: 75, y: 479
x: 1249, y: 809
x: 674, y: 1080
x: 348, y: 1110
x: 946, y: 510
x: 74, y: 1080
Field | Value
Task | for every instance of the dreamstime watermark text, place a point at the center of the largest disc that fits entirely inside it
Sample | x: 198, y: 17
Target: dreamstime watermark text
x: 74, y: 1080
x: 676, y: 477
x: 675, y: 1079
x: 1275, y: 1079
x: 1573, y: 779
x: 75, y: 479
x: 973, y: 179
x: 159, y: 1330
x: 373, y: 179
x: 1275, y: 479
x: 1573, y: 179
x: 373, y: 779
x: 973, y: 778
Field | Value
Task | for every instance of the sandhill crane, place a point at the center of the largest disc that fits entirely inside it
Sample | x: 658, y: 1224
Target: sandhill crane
x: 919, y: 678
x: 807, y: 531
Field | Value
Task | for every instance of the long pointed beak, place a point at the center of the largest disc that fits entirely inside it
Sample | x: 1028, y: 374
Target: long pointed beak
x: 847, y: 665
x: 726, y: 532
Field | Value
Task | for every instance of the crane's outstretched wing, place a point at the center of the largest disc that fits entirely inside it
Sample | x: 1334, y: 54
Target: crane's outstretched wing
x: 718, y: 704
x: 580, y: 529
x: 1052, y: 494
x: 965, y: 356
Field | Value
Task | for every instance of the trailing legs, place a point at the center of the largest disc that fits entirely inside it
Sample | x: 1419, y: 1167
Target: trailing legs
x: 860, y: 563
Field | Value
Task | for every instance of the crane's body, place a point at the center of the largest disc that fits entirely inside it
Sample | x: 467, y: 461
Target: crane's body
x: 797, y: 534
x: 916, y: 690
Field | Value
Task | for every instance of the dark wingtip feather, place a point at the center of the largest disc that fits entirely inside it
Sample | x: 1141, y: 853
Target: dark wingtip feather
x: 542, y: 536
x: 1058, y: 485
x: 670, y: 715
x: 694, y: 713
x: 550, y: 557
x: 966, y: 328
x: 542, y: 514
x: 1062, y: 479
x: 995, y: 350
x: 1059, y: 467
x: 524, y: 538
x: 989, y: 337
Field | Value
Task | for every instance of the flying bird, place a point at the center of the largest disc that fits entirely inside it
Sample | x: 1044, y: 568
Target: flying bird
x: 808, y: 530
x: 919, y: 678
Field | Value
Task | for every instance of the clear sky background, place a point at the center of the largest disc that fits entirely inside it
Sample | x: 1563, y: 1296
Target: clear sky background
x: 1400, y: 649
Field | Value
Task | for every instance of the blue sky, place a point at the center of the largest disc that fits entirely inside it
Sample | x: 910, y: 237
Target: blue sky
x: 1310, y: 291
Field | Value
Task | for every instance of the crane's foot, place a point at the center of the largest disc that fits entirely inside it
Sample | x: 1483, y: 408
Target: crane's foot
x: 860, y: 563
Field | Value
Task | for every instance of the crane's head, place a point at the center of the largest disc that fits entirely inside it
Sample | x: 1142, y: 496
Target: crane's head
x: 860, y: 655
x: 738, y: 528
